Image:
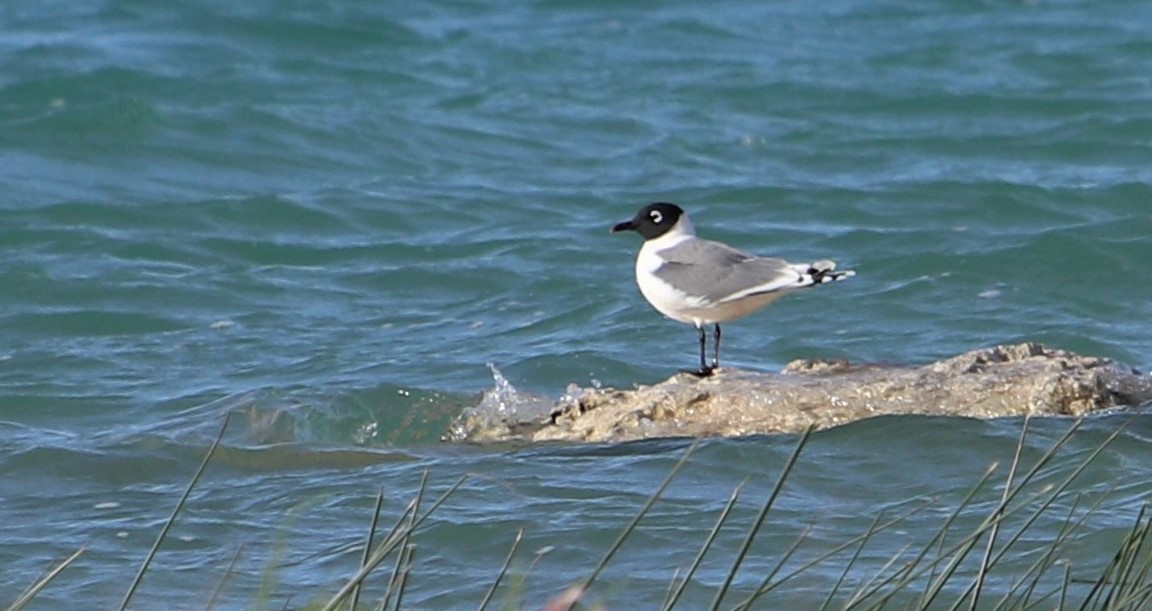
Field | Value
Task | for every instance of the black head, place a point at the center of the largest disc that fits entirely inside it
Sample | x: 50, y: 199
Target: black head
x: 652, y: 221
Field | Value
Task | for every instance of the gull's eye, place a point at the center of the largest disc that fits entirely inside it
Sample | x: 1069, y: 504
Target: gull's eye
x: 656, y: 216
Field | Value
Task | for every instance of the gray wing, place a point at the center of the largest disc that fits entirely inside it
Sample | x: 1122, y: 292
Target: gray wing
x: 715, y: 272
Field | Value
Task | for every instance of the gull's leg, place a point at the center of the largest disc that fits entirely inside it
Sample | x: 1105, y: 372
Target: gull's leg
x: 716, y: 346
x: 704, y: 370
x: 703, y: 347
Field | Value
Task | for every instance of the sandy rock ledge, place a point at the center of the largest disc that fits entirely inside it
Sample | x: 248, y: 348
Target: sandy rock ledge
x: 1003, y: 381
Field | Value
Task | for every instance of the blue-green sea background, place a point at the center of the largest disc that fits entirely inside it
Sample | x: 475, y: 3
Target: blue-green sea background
x: 328, y: 217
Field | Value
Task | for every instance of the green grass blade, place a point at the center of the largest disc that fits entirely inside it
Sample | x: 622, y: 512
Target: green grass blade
x: 764, y: 589
x: 760, y: 517
x: 708, y: 541
x: 1065, y: 586
x: 388, y: 544
x: 43, y: 581
x: 1007, y: 507
x: 405, y: 568
x: 916, y: 567
x: 1114, y: 579
x: 1133, y: 584
x: 405, y: 541
x: 503, y: 571
x: 784, y: 558
x: 1138, y: 588
x: 584, y: 585
x: 368, y: 545
x: 394, y: 580
x: 224, y: 578
x: 172, y: 519
x: 516, y: 587
x: 836, y: 587
x: 875, y: 584
x: 999, y: 513
x: 1034, y: 573
x: 986, y: 561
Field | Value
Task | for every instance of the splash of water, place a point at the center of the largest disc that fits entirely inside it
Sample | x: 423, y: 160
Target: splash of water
x: 501, y: 410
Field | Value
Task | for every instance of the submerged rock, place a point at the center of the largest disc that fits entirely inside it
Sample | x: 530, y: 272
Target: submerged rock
x: 1016, y: 380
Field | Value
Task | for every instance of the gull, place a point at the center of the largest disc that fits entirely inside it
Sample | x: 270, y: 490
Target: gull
x: 701, y: 282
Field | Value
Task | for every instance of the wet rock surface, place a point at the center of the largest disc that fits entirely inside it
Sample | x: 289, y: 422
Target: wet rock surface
x: 1013, y: 380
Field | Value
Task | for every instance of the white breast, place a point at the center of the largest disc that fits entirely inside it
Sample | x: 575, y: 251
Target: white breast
x: 667, y: 300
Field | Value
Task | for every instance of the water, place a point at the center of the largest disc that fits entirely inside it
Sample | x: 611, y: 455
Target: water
x: 327, y: 217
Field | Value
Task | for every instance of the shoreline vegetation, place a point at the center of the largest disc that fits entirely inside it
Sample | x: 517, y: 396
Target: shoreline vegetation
x: 955, y: 569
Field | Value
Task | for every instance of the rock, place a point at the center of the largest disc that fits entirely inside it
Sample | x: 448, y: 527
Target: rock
x: 1016, y: 380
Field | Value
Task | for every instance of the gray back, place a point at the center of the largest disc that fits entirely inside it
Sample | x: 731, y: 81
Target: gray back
x: 714, y: 271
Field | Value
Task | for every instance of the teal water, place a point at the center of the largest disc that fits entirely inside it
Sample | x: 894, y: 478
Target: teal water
x: 328, y: 217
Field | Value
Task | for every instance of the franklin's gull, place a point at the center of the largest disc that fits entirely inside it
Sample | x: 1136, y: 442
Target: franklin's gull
x: 701, y: 282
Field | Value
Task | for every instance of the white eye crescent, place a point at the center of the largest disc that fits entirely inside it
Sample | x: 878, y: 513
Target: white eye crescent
x: 656, y: 216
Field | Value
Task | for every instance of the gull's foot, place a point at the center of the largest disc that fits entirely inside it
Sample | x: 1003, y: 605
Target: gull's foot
x: 703, y: 372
